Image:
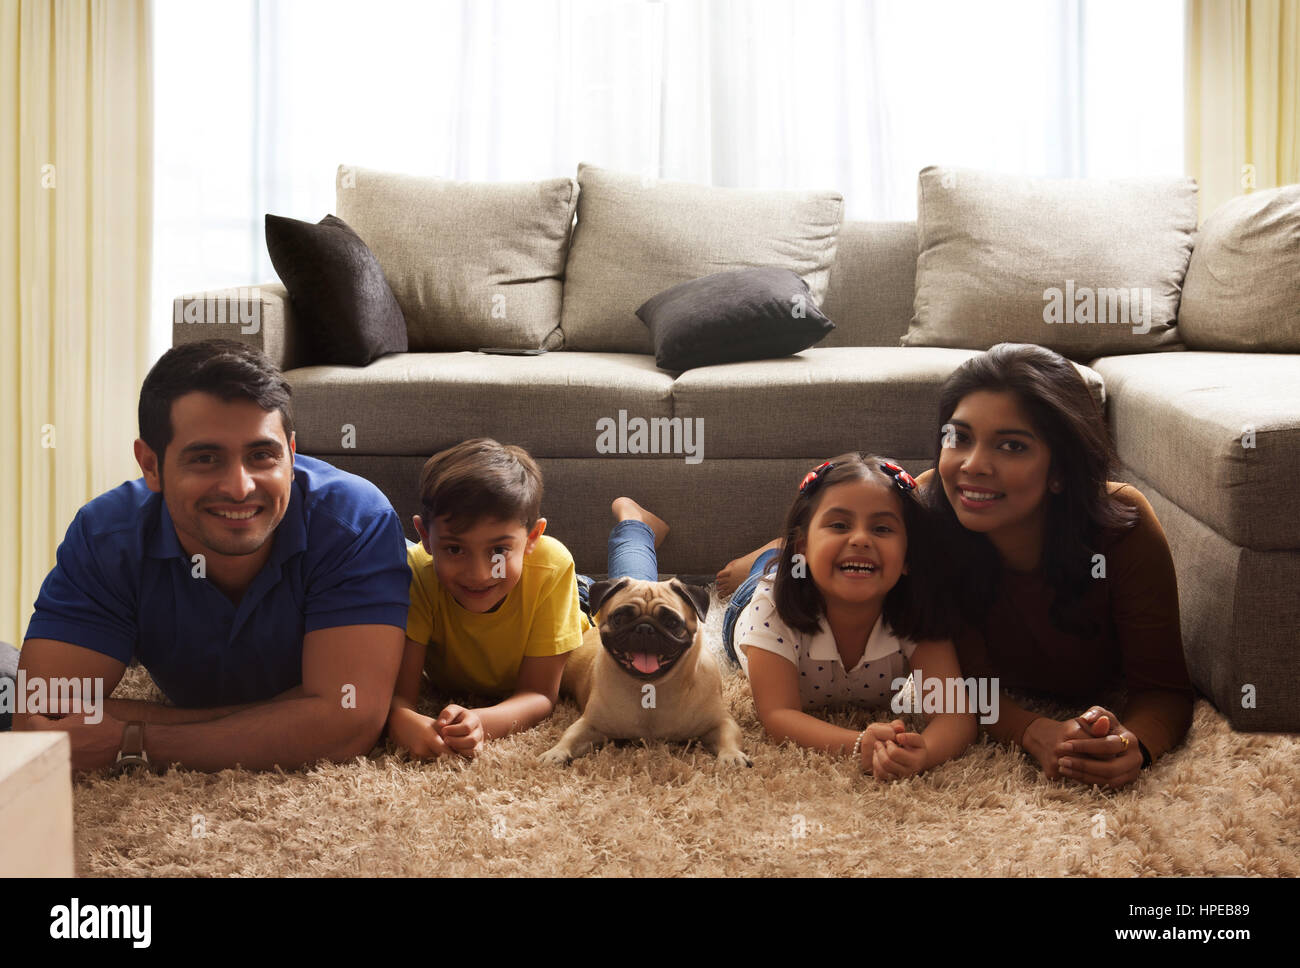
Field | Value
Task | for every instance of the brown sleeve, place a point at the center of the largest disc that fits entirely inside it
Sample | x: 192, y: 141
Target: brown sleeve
x: 1144, y: 597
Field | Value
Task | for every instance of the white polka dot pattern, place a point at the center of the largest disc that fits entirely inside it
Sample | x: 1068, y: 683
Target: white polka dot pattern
x: 823, y: 680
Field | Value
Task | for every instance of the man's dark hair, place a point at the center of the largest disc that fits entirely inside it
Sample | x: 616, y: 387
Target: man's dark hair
x: 481, y: 479
x: 225, y: 368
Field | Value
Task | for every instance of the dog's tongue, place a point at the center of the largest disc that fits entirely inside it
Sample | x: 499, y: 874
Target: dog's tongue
x: 645, y: 662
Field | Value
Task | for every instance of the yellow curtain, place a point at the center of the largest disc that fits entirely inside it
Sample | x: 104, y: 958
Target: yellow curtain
x: 1243, y: 96
x: 76, y: 172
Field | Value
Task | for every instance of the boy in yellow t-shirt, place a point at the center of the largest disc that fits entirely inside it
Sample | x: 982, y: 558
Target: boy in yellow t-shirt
x: 494, y: 601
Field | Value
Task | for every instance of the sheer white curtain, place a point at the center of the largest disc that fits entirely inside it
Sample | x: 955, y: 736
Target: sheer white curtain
x: 259, y: 100
x: 75, y: 220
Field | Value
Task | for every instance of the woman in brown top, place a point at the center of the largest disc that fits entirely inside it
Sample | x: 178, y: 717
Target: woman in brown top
x: 1065, y: 579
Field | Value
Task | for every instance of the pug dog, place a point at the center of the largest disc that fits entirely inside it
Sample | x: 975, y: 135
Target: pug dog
x: 643, y: 673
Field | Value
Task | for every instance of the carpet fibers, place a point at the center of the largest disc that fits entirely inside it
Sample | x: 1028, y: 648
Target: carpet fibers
x: 1223, y: 803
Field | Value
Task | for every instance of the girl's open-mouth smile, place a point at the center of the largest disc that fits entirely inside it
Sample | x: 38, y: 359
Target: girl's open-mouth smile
x: 858, y: 568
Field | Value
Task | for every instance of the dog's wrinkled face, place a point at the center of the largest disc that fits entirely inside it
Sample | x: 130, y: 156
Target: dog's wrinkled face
x: 646, y: 626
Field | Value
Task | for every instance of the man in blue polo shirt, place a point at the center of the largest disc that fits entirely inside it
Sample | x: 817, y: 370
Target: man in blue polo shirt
x: 265, y: 593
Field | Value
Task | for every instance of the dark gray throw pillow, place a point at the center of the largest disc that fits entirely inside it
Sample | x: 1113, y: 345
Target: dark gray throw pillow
x: 743, y: 314
x: 347, y: 312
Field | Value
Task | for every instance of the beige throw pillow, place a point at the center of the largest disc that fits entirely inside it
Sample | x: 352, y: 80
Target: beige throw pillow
x: 1243, y: 285
x: 1086, y: 267
x: 636, y: 238
x: 471, y: 263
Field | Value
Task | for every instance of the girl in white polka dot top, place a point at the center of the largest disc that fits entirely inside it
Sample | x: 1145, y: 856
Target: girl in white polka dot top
x: 842, y: 619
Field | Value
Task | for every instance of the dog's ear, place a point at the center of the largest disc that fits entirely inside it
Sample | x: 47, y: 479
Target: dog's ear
x: 601, y: 590
x: 696, y: 596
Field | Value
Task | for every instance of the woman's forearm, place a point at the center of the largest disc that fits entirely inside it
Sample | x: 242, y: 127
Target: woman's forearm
x: 1159, y: 718
x: 1012, y: 722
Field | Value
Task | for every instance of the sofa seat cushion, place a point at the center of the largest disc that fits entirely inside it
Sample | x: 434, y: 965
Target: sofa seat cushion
x: 821, y: 402
x: 418, y: 403
x: 1218, y: 434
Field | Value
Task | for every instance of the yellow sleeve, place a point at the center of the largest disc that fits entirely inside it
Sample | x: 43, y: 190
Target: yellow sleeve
x: 419, y: 616
x: 556, y: 627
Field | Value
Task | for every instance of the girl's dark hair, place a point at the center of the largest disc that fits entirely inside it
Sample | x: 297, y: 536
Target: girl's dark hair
x: 1063, y: 412
x: 225, y: 368
x: 917, y: 607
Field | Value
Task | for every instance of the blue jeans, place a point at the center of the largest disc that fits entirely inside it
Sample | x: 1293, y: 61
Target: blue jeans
x: 8, y: 670
x: 742, y: 596
x: 631, y: 554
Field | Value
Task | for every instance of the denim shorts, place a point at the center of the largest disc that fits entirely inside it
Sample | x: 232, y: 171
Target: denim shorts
x: 631, y: 554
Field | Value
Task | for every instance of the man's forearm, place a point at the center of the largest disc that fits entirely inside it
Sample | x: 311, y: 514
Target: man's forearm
x: 137, y: 710
x: 288, y: 734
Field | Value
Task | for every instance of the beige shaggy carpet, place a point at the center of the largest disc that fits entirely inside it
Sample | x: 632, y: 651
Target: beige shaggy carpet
x: 1224, y: 803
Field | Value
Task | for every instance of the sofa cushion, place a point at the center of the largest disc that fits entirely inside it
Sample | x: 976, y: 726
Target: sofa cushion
x: 820, y: 402
x: 726, y: 317
x: 824, y: 401
x: 873, y: 280
x: 418, y: 403
x: 635, y: 239
x: 1087, y: 267
x: 1218, y: 434
x: 1243, y: 284
x: 339, y: 294
x: 472, y: 264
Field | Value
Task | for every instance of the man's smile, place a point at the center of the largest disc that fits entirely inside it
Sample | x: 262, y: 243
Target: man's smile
x: 234, y: 514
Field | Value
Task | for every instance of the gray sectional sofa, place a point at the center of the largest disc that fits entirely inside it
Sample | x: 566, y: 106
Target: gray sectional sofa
x: 1231, y: 513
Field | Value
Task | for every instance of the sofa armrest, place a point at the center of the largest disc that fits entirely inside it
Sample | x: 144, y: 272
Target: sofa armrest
x: 259, y: 315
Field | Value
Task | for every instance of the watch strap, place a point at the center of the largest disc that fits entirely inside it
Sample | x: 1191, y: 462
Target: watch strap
x: 132, y: 752
x: 133, y: 739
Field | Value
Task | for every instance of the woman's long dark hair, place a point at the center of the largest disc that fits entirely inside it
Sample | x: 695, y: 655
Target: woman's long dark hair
x: 919, y: 605
x: 1063, y: 412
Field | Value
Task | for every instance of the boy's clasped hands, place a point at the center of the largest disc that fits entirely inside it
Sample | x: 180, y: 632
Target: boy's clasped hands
x: 455, y: 730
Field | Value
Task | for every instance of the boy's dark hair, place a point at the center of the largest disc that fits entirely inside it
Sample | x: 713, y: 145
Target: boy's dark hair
x: 225, y: 368
x: 917, y: 607
x: 1064, y: 413
x: 480, y: 479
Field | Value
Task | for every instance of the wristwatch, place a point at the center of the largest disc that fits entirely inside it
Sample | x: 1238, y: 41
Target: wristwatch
x: 132, y: 753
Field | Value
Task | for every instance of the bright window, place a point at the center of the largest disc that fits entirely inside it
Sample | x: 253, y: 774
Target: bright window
x: 258, y: 101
